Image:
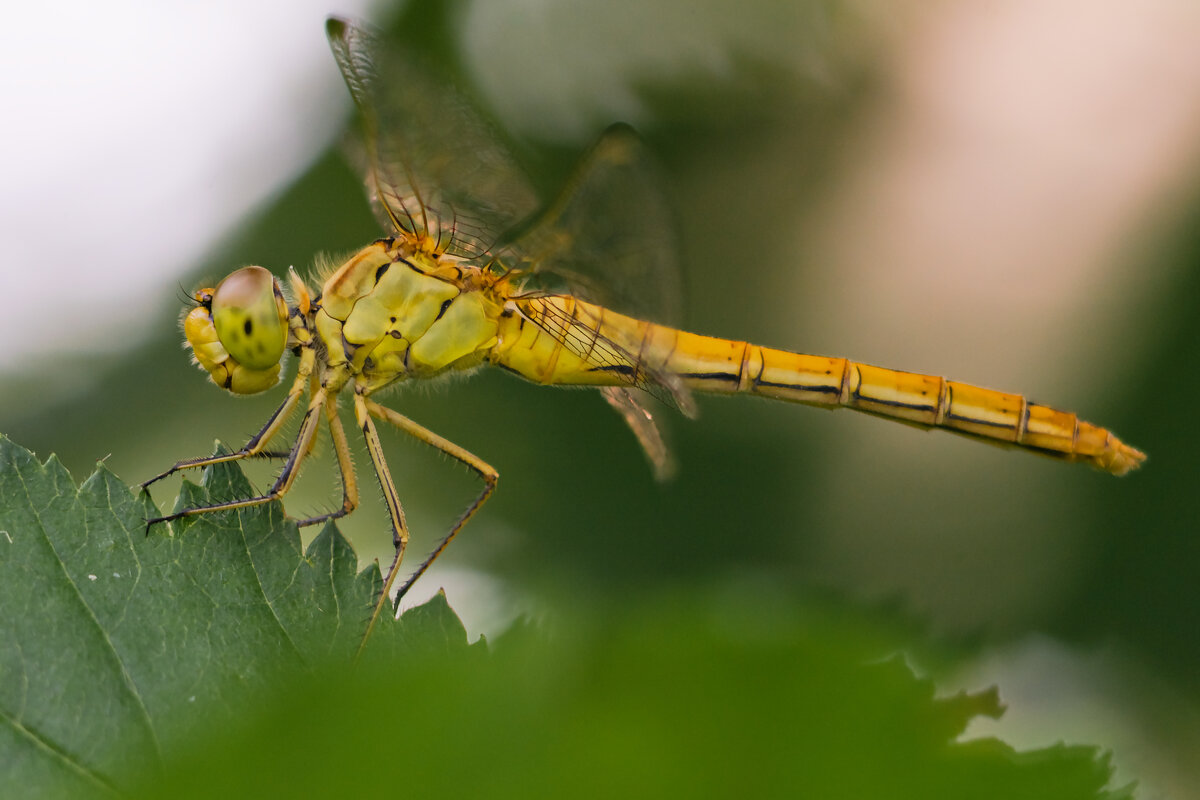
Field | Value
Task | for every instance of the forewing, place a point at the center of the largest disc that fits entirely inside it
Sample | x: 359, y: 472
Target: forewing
x: 435, y: 169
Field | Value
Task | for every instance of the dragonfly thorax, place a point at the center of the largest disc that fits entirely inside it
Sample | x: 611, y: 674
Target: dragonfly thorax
x: 393, y: 311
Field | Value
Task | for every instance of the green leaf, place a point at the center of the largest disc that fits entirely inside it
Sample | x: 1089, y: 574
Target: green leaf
x: 674, y: 701
x: 116, y: 645
x: 214, y: 660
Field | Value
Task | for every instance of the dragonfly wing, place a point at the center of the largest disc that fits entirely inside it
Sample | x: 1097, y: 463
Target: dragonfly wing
x: 644, y: 427
x: 580, y: 332
x: 435, y: 169
x: 610, y: 236
x: 610, y: 239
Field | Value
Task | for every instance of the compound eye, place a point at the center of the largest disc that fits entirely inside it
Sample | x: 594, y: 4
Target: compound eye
x: 250, y: 317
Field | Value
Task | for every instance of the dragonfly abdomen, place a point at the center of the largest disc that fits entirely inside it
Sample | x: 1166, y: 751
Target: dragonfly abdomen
x: 926, y: 401
x: 562, y: 340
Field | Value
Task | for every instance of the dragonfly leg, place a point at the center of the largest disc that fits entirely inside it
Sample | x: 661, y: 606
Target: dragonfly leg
x: 395, y: 510
x: 345, y: 467
x: 485, y: 471
x: 287, y: 476
x: 255, y: 448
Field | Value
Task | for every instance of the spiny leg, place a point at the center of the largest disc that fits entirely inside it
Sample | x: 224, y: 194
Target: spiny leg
x: 423, y: 434
x: 302, y: 447
x: 254, y: 448
x: 345, y: 467
x: 395, y: 510
x: 486, y: 472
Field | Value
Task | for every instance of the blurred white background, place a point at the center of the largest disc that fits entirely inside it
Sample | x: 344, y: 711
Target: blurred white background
x: 131, y: 115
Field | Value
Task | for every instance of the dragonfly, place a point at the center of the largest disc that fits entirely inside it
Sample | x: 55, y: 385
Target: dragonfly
x: 473, y: 271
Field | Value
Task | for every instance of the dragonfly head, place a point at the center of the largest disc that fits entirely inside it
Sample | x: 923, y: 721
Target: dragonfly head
x: 238, y: 331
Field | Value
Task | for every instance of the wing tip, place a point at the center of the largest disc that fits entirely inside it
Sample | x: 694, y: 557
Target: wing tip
x: 335, y: 27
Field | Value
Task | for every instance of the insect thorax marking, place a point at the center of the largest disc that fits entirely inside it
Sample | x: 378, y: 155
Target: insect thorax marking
x: 389, y: 313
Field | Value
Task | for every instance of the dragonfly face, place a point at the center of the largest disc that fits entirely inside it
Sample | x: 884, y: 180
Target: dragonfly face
x: 238, y: 331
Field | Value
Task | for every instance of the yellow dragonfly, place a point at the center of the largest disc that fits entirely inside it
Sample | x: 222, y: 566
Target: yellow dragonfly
x: 464, y: 279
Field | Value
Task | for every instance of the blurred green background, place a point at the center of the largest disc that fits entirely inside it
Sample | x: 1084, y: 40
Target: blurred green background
x: 1007, y: 197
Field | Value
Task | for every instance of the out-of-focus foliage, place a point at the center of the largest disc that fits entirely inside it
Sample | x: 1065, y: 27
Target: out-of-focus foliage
x: 118, y: 644
x: 212, y: 662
